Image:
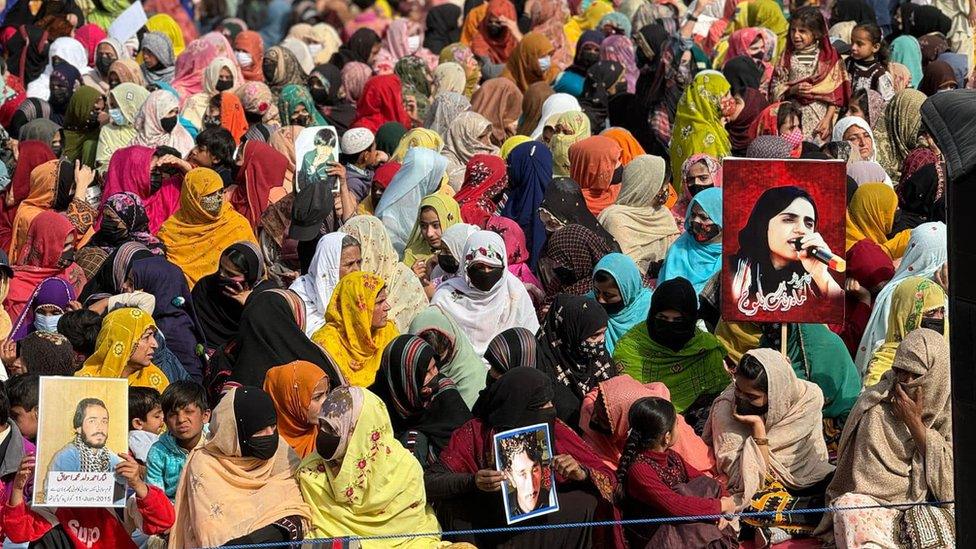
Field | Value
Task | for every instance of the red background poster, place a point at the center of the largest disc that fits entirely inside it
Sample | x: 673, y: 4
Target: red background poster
x: 790, y: 294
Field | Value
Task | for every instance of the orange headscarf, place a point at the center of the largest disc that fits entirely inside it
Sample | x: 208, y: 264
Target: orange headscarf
x: 40, y: 198
x: 523, y: 64
x: 630, y: 147
x: 251, y: 42
x: 232, y: 116
x: 290, y: 387
x: 591, y: 165
x: 496, y: 49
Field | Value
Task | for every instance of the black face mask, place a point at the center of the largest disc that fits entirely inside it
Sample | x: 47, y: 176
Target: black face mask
x: 565, y: 275
x: 211, y: 122
x: 326, y: 444
x: 613, y: 308
x: 113, y: 231
x: 673, y: 335
x: 168, y: 124
x: 483, y: 280
x: 320, y: 95
x: 300, y: 120
x: 103, y: 63
x: 588, y: 58
x: 67, y: 258
x: 224, y: 85
x: 60, y: 98
x: 936, y: 324
x: 56, y: 150
x: 695, y: 189
x: 93, y: 120
x: 746, y: 408
x: 542, y: 415
x: 268, y: 67
x: 496, y: 31
x: 263, y: 448
x: 618, y: 175
x: 447, y: 263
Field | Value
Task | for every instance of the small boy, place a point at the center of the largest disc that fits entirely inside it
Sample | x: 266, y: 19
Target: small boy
x: 22, y: 392
x: 186, y: 414
x: 145, y: 421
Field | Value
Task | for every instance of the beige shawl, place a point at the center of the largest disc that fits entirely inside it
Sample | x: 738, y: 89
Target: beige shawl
x: 878, y: 456
x: 794, y: 427
x: 644, y: 233
x: 463, y: 140
x: 217, y: 485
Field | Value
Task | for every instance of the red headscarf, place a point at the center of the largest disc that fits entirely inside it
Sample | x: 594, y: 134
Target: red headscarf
x: 232, y: 116
x: 484, y: 181
x: 39, y: 259
x: 264, y: 168
x: 190, y: 66
x: 32, y: 155
x: 381, y: 102
x: 497, y: 49
x: 384, y: 174
x: 251, y: 42
x: 128, y: 171
x: 90, y: 35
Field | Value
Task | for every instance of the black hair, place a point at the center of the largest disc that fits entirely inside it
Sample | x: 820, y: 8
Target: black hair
x: 650, y: 419
x: 142, y: 400
x: 81, y: 329
x: 528, y: 442
x: 238, y: 258
x: 602, y: 277
x: 750, y: 368
x: 882, y: 56
x: 183, y: 393
x: 349, y: 241
x: 164, y: 150
x: 22, y: 390
x: 219, y: 142
x: 325, y: 137
x: 785, y: 111
x: 811, y: 18
x: 4, y: 405
x: 82, y: 407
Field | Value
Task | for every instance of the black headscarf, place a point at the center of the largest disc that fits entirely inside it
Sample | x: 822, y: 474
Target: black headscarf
x: 679, y: 295
x: 563, y: 353
x: 921, y: 198
x: 515, y: 399
x: 64, y: 186
x: 742, y: 72
x: 357, y: 48
x: 113, y: 272
x: 564, y: 200
x: 649, y: 40
x: 339, y: 111
x: 858, y: 11
x: 442, y: 27
x: 921, y: 20
x: 253, y: 410
x: 602, y: 81
x: 26, y: 50
x: 590, y: 36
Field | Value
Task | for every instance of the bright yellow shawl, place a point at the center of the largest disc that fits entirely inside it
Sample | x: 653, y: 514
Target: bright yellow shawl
x: 449, y: 214
x: 348, y: 335
x: 194, y: 238
x: 871, y: 215
x: 121, y: 330
x: 165, y: 24
x: 698, y: 127
x: 378, y: 489
x: 418, y: 137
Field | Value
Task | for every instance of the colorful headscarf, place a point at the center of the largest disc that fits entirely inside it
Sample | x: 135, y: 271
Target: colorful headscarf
x: 121, y: 331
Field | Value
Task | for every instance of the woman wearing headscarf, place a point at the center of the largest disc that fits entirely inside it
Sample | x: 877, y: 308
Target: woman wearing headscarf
x: 221, y: 75
x: 698, y: 124
x: 29, y: 111
x: 124, y: 103
x: 406, y: 140
x: 157, y: 125
x: 425, y: 406
x: 571, y: 344
x: 592, y: 164
x: 356, y: 327
x: 81, y: 126
x: 69, y: 51
x: 937, y: 76
x: 531, y: 62
x: 123, y: 220
x: 241, y: 463
x: 42, y: 184
x: 457, y: 358
x: 280, y: 68
x: 871, y: 215
x: 45, y: 307
x: 639, y: 220
x: 587, y: 54
x: 261, y: 172
x: 563, y: 204
x: 126, y: 70
x: 896, y: 448
x: 336, y: 255
x: 496, y: 39
x: 31, y: 154
x: 459, y: 484
x: 517, y: 252
x: 534, y: 99
x: 218, y: 298
x: 500, y: 101
x: 568, y: 259
x: 249, y: 50
x: 568, y: 129
x: 897, y: 131
x: 443, y: 111
x: 193, y: 62
x: 620, y: 49
x: 203, y: 227
x: 404, y: 38
x: 130, y: 171
x: 124, y: 349
x: 905, y: 50
x: 64, y: 80
x: 448, y: 77
x: 619, y: 288
x: 604, y: 80
x: 436, y: 214
x: 331, y: 99
x: 468, y: 135
x: 361, y: 47
x: 381, y: 102
x: 529, y: 168
x: 158, y: 58
x: 484, y: 190
x: 419, y: 176
x: 697, y: 254
x: 298, y: 390
x: 442, y: 27
x: 415, y: 78
x: 463, y: 56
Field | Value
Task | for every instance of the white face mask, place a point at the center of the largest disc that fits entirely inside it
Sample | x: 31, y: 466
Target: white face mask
x: 314, y: 49
x: 545, y: 63
x: 244, y: 59
x: 413, y: 43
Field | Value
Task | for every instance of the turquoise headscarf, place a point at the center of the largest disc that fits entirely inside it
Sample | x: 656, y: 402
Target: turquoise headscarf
x: 636, y: 298
x: 906, y: 50
x: 689, y: 258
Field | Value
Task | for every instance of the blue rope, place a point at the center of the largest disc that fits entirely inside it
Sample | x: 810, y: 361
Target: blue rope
x: 653, y: 520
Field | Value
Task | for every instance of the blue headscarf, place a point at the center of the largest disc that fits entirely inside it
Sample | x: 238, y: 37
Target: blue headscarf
x: 906, y: 50
x: 689, y: 258
x: 618, y: 20
x: 636, y: 298
x: 529, y: 172
x: 419, y: 176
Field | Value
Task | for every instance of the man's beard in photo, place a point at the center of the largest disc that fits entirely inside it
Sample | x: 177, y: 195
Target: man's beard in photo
x: 99, y: 445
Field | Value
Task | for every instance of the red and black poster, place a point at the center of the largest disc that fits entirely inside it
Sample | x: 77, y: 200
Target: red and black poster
x: 783, y: 240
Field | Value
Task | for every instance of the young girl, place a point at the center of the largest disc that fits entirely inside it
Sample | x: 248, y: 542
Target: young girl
x: 868, y: 63
x: 655, y: 481
x: 811, y: 74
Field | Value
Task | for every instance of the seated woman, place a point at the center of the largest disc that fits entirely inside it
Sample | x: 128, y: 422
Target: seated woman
x: 488, y: 298
x: 243, y: 462
x: 425, y: 406
x: 518, y: 254
x: 767, y: 432
x: 437, y: 213
x: 357, y: 327
x: 567, y: 262
x: 47, y: 253
x: 897, y: 448
x: 336, y: 255
x: 655, y: 481
x: 360, y: 481
x: 604, y: 423
x: 619, y: 287
x: 871, y: 216
x: 132, y: 332
x: 869, y: 265
x: 457, y: 359
x: 917, y: 302
x: 464, y: 485
x: 773, y: 270
x: 298, y: 390
x: 45, y: 307
x: 697, y: 254
x: 669, y: 347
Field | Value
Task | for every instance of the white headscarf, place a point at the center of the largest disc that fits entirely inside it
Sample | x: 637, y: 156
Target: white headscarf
x: 557, y: 103
x: 315, y: 288
x: 454, y: 238
x: 484, y: 314
x: 68, y: 50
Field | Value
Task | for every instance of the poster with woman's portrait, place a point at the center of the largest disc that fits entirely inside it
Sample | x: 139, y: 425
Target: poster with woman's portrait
x: 524, y: 457
x: 316, y: 149
x: 82, y: 428
x: 783, y: 240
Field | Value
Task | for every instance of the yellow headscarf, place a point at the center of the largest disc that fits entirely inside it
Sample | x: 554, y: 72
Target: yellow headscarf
x: 348, y: 335
x: 511, y: 143
x: 165, y: 24
x: 195, y: 238
x: 578, y: 124
x: 378, y: 488
x: 871, y: 215
x: 449, y: 214
x: 912, y: 297
x: 418, y: 137
x: 588, y: 20
x: 121, y: 330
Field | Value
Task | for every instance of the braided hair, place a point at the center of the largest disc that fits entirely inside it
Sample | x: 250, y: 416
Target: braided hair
x: 651, y: 418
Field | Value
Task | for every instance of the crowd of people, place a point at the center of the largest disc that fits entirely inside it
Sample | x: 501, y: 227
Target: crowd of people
x: 509, y: 213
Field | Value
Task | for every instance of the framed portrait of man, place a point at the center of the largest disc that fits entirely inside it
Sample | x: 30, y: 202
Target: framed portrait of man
x: 524, y: 457
x: 82, y: 429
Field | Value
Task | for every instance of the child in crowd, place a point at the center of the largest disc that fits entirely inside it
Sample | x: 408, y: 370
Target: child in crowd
x: 186, y: 414
x: 22, y: 393
x: 145, y: 421
x: 13, y: 447
x: 868, y: 63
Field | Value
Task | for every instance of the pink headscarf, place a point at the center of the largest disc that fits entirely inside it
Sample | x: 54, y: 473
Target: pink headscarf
x: 369, y: 19
x: 354, y: 77
x: 128, y: 171
x: 740, y: 41
x: 619, y: 48
x: 515, y: 246
x: 90, y: 35
x: 395, y: 46
x: 191, y: 64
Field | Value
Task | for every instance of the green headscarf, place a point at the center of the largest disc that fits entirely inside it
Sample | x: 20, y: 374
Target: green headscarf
x: 415, y: 78
x: 291, y: 97
x: 80, y: 134
x: 389, y: 135
x: 449, y: 214
x: 462, y: 364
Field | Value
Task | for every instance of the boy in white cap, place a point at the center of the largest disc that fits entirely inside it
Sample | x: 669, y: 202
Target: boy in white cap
x: 359, y: 156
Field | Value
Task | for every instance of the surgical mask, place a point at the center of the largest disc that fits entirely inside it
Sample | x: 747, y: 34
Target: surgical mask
x: 46, y: 323
x: 117, y: 117
x: 320, y: 95
x: 314, y: 49
x: 168, y: 124
x: 936, y: 324
x: 263, y: 448
x: 704, y: 233
x: 545, y: 63
x: 212, y: 203
x: 413, y: 43
x: 588, y: 58
x: 613, y: 308
x: 326, y: 444
x: 485, y: 280
x: 447, y: 263
x: 224, y: 85
x: 103, y: 63
x: 244, y: 59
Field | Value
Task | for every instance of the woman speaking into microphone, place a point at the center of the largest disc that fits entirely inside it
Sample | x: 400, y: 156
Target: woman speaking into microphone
x: 782, y: 261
